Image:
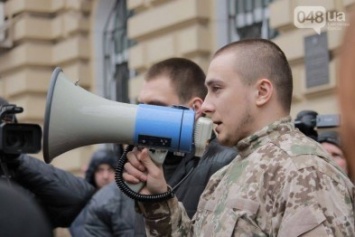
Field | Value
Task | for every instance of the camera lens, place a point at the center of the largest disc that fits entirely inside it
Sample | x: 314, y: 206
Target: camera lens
x: 20, y: 138
x: 15, y: 141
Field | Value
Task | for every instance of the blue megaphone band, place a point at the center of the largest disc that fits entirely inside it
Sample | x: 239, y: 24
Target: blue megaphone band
x: 170, y: 128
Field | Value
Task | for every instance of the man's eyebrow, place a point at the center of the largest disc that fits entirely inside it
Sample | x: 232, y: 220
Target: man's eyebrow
x: 211, y: 82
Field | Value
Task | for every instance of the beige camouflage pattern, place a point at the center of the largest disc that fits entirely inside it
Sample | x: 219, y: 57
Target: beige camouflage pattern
x: 281, y: 184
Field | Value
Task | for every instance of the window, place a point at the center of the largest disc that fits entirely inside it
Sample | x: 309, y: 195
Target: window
x: 249, y: 19
x: 115, y: 47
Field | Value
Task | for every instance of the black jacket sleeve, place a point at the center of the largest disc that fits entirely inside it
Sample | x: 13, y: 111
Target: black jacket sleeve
x: 61, y: 194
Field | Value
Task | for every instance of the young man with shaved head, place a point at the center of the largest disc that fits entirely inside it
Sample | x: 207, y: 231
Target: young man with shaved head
x: 282, y: 183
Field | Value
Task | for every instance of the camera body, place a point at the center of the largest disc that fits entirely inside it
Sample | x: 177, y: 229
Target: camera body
x: 309, y: 121
x: 17, y: 138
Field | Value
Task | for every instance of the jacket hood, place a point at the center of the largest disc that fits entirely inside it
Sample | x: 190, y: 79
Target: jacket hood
x: 102, y: 156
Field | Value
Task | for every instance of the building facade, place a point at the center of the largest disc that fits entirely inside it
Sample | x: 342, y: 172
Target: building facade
x: 109, y: 44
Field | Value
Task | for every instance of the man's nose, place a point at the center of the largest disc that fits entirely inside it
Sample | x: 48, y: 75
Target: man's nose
x: 207, y: 107
x: 106, y: 174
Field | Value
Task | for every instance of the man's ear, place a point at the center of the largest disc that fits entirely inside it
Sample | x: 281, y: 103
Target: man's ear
x: 195, y: 104
x: 264, y: 91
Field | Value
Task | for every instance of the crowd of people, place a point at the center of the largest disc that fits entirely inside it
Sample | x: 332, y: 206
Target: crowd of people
x: 259, y: 174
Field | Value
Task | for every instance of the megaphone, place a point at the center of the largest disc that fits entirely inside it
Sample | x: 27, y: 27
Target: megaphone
x: 75, y: 117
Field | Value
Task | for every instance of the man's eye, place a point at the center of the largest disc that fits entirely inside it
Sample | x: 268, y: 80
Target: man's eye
x: 215, y: 88
x: 339, y: 156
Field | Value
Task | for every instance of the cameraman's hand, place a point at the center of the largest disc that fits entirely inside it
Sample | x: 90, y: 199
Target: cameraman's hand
x: 141, y: 168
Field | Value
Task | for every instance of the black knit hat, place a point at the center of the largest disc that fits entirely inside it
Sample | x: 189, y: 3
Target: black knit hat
x: 330, y: 137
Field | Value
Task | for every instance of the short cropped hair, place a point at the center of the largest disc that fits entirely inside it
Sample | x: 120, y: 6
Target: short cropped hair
x: 260, y: 58
x: 186, y: 77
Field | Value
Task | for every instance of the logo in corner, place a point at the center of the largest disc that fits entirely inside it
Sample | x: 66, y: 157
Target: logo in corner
x: 317, y: 17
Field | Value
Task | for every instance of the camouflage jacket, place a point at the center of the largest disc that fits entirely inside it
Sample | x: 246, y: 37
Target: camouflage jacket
x: 282, y: 183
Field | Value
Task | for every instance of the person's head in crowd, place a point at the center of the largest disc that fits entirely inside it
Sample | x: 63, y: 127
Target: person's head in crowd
x: 249, y: 86
x: 346, y: 95
x: 101, y: 169
x: 174, y: 81
x: 20, y: 215
x: 330, y: 141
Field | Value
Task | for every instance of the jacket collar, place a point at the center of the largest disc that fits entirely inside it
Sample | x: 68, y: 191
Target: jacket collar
x: 270, y: 132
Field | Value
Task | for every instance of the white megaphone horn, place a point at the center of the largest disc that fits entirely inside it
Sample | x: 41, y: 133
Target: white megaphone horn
x: 75, y: 117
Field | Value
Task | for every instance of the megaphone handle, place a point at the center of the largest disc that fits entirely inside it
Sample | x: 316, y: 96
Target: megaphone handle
x: 158, y: 156
x: 136, y: 187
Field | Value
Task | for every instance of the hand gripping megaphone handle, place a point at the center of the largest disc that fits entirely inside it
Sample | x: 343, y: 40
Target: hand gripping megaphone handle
x: 158, y: 156
x: 202, y: 134
x: 132, y: 191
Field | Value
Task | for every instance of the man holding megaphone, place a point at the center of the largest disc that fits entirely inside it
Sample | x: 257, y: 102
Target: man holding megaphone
x: 282, y: 182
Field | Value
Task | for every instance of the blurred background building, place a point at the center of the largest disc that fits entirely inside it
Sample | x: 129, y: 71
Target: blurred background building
x: 109, y: 44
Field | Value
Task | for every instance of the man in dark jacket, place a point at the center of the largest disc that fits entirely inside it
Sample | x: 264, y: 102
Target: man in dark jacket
x: 60, y: 194
x: 100, y: 172
x: 169, y: 82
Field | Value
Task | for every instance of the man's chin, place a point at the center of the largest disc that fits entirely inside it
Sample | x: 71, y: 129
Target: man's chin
x: 223, y: 141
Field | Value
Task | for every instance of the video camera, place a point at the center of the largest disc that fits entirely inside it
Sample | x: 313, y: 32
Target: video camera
x: 17, y: 138
x: 308, y: 121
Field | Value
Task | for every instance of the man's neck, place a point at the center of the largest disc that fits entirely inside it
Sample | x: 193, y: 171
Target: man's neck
x: 268, y: 116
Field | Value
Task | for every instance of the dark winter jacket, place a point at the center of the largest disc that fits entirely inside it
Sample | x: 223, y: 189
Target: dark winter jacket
x: 20, y: 215
x: 111, y: 213
x: 61, y: 194
x: 101, y: 156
